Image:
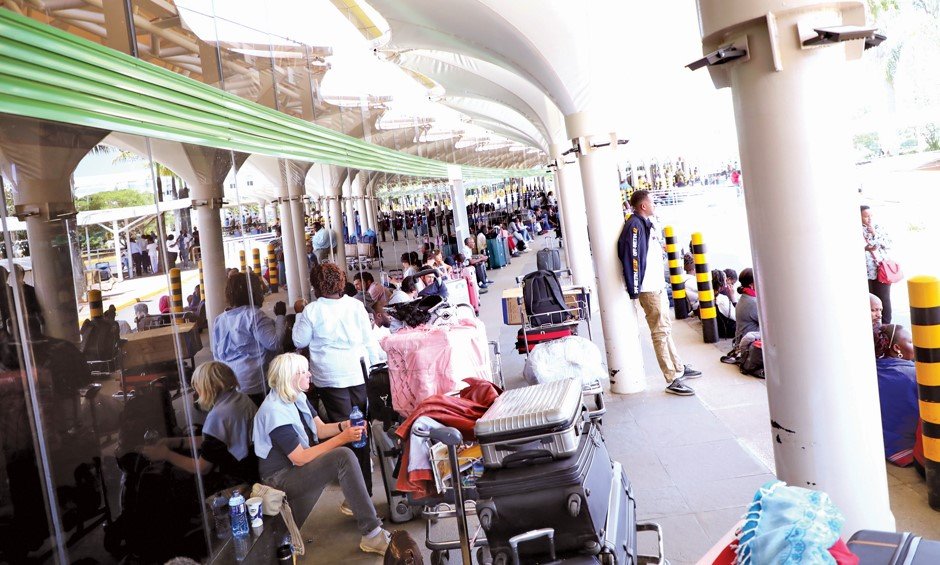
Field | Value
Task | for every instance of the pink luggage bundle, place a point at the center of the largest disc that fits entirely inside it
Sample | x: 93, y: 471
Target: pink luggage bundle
x: 434, y: 359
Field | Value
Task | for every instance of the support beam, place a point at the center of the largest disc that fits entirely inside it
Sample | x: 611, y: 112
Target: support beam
x: 38, y: 158
x: 572, y: 212
x: 803, y: 217
x: 211, y: 166
x: 605, y: 220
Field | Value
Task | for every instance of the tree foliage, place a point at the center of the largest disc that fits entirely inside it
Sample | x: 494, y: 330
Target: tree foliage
x: 121, y: 198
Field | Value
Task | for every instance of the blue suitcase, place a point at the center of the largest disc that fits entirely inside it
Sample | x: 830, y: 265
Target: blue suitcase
x: 497, y: 252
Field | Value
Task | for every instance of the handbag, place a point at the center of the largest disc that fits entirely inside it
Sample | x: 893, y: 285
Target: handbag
x: 889, y: 272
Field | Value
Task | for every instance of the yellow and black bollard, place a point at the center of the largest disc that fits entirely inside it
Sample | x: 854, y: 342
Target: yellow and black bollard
x: 256, y: 261
x: 924, y: 294
x: 273, y: 279
x: 681, y: 304
x: 706, y: 295
x: 241, y: 261
x: 176, y: 292
x: 202, y: 283
x: 95, y: 304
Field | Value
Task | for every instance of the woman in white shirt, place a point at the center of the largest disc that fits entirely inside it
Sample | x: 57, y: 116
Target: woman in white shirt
x: 337, y: 331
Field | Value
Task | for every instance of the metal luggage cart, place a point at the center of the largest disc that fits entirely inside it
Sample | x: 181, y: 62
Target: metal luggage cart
x: 454, y: 525
x: 579, y: 312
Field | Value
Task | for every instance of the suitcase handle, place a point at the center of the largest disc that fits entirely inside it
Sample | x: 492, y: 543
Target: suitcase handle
x: 514, y: 542
x: 601, y: 408
x: 528, y: 457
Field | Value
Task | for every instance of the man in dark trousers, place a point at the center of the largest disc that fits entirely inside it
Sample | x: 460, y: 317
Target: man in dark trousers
x: 641, y: 252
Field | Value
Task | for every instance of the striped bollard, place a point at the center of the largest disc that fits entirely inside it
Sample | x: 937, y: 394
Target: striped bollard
x: 176, y: 292
x: 202, y: 284
x: 256, y: 261
x: 95, y: 304
x: 681, y: 305
x: 241, y: 261
x: 706, y: 296
x: 273, y: 279
x: 924, y: 294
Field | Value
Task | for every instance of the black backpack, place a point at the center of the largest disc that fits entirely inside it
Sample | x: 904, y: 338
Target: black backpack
x: 101, y: 339
x: 753, y: 361
x: 543, y: 299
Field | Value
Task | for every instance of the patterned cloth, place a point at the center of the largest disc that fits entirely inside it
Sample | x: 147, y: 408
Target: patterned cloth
x: 882, y: 244
x: 786, y: 525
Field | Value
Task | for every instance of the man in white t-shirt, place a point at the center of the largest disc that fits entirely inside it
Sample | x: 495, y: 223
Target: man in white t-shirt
x: 641, y: 252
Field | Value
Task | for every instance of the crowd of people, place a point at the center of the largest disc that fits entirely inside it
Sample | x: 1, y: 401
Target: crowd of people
x: 141, y: 253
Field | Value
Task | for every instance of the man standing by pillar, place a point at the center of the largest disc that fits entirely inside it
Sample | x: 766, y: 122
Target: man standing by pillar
x: 641, y: 253
x: 323, y: 242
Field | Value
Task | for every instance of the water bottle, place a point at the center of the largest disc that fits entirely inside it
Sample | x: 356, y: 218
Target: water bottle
x: 220, y: 516
x: 238, y: 515
x: 357, y: 419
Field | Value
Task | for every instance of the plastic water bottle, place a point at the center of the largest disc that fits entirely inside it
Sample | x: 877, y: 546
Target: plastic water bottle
x: 357, y: 419
x: 238, y: 515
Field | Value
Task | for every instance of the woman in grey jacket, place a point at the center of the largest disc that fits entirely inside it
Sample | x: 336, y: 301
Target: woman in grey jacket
x: 745, y: 314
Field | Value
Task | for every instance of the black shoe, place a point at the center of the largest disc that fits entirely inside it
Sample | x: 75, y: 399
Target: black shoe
x: 691, y: 373
x: 680, y: 389
x: 483, y: 290
x: 729, y: 359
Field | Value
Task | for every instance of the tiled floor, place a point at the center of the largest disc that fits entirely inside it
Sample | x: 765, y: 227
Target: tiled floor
x: 694, y: 462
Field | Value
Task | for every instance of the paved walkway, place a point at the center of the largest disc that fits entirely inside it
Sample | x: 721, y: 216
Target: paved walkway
x: 695, y: 462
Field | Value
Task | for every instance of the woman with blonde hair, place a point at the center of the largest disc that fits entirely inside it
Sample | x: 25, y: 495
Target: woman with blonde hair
x: 225, y: 443
x: 300, y: 454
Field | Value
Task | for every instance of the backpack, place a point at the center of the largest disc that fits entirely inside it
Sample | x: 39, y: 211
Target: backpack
x: 753, y: 362
x: 543, y: 299
x: 100, y: 340
x: 726, y: 326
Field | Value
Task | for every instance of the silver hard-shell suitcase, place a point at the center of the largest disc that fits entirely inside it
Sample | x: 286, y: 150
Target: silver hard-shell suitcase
x: 540, y: 421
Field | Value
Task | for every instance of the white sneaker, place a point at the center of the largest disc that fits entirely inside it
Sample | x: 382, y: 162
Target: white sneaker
x: 377, y: 543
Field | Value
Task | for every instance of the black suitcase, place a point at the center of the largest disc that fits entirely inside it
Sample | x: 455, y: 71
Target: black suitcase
x: 570, y: 496
x: 892, y: 548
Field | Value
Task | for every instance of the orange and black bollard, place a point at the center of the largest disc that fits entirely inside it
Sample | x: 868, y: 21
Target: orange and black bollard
x: 924, y: 294
x: 176, y: 292
x: 680, y: 303
x: 273, y: 279
x: 706, y: 295
x: 256, y: 261
x: 202, y: 283
x: 241, y: 261
x: 95, y: 304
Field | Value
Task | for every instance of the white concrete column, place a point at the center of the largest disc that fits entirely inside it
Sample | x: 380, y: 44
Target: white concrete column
x: 207, y: 204
x: 802, y: 208
x: 458, y: 198
x: 297, y: 188
x: 349, y: 207
x: 333, y: 212
x: 369, y: 204
x: 38, y: 159
x: 288, y: 245
x: 358, y: 203
x: 605, y: 220
x: 116, y: 232
x: 577, y: 246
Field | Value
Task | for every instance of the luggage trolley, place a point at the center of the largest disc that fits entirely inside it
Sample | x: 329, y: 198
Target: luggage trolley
x: 454, y: 525
x: 384, y: 421
x: 579, y: 312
